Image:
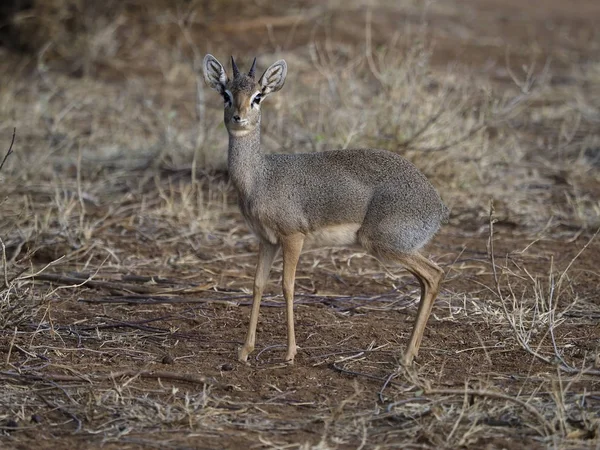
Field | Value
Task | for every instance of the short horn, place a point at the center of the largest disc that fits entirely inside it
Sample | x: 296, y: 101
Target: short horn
x: 236, y: 71
x: 252, y: 69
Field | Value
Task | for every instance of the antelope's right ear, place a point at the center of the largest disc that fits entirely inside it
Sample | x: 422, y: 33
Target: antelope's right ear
x: 214, y: 73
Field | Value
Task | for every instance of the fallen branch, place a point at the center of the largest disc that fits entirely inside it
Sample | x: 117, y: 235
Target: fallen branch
x: 160, y: 300
x: 116, y: 286
x: 153, y: 300
x: 155, y: 374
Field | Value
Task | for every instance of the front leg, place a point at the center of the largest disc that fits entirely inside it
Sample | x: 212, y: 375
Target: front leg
x: 292, y: 246
x: 266, y: 255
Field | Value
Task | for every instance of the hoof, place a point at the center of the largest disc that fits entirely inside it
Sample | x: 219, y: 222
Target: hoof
x: 243, y: 355
x: 291, y: 353
x: 408, y: 359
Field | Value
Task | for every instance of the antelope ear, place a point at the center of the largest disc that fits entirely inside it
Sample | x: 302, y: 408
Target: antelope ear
x: 273, y: 78
x: 214, y: 73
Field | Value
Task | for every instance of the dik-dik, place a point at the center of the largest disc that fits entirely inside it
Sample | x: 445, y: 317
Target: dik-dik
x: 370, y: 198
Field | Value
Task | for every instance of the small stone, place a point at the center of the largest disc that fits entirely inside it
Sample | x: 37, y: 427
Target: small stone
x: 36, y: 418
x: 10, y: 424
x: 227, y: 367
x: 167, y: 359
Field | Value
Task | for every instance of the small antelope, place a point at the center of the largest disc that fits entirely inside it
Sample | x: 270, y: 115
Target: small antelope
x: 371, y: 198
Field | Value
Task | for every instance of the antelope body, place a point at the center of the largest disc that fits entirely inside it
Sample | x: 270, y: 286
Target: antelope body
x: 370, y: 198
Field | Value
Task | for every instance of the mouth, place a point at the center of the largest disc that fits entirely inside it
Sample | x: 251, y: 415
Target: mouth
x: 241, y: 125
x: 239, y: 129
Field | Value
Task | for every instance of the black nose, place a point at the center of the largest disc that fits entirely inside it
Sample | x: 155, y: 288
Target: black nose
x: 236, y: 118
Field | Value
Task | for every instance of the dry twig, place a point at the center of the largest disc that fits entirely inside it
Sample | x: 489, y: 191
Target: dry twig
x: 10, y: 149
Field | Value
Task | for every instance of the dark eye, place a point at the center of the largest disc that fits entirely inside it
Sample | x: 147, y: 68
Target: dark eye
x: 257, y: 98
x: 227, y: 99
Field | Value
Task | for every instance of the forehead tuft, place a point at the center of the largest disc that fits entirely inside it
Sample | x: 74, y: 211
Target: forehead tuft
x: 242, y: 83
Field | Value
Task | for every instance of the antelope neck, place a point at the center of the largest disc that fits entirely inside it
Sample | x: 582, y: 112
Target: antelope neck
x: 245, y: 159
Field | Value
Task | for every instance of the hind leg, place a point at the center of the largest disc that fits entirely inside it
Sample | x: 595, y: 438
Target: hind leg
x: 391, y: 236
x: 430, y: 276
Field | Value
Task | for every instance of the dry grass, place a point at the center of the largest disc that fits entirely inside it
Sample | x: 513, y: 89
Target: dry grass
x: 126, y: 266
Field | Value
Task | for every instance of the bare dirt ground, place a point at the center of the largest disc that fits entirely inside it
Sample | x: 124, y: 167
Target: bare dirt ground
x: 127, y: 268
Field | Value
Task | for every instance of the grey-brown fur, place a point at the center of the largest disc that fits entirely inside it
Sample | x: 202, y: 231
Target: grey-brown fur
x: 383, y: 192
x: 243, y: 83
x: 373, y: 198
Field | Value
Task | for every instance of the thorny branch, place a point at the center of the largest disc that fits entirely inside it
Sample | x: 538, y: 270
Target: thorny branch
x: 10, y: 149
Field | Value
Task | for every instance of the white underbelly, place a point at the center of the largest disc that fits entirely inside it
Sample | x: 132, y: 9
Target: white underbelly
x: 333, y: 236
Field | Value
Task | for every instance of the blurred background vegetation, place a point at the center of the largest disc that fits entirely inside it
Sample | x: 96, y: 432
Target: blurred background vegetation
x: 490, y: 99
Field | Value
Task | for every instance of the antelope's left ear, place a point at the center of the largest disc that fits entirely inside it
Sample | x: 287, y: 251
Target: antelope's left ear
x: 273, y: 78
x: 214, y: 73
